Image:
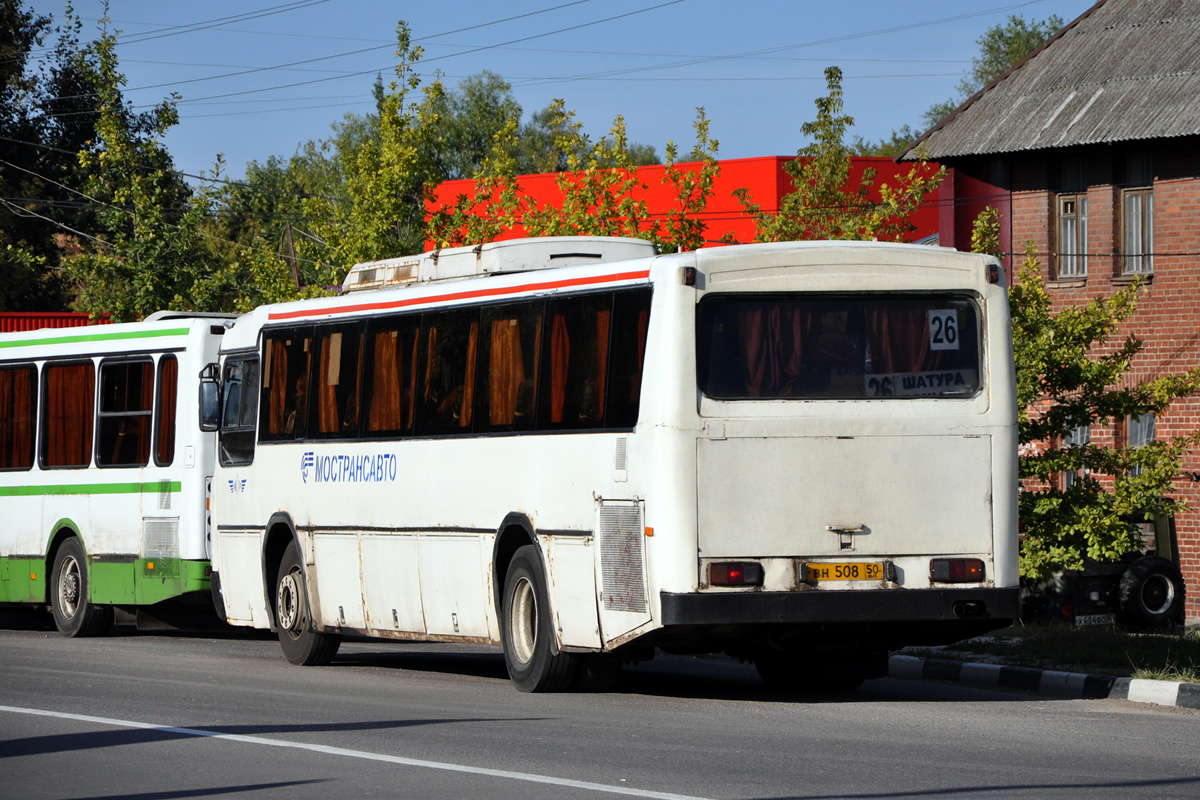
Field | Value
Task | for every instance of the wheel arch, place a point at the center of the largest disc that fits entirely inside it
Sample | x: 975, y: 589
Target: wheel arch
x: 281, y: 531
x: 514, y: 532
x: 63, y: 530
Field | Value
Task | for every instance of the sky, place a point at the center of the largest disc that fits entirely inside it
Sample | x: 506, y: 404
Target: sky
x: 258, y: 78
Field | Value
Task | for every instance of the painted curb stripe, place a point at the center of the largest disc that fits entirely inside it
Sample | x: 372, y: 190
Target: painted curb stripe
x: 1052, y: 682
x: 94, y: 337
x: 150, y: 487
x: 340, y: 751
x: 477, y: 294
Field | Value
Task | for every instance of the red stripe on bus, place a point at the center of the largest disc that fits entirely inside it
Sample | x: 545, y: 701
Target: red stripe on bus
x: 478, y: 293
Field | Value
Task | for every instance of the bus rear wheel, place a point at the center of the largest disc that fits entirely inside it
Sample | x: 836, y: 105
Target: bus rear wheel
x: 526, y: 631
x: 301, y: 644
x: 74, y: 614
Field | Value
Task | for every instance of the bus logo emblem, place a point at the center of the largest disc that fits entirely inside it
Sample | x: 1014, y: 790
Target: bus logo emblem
x: 306, y: 463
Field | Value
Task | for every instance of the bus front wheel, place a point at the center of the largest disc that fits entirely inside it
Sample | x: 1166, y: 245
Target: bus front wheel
x: 301, y: 644
x: 74, y: 614
x: 526, y: 631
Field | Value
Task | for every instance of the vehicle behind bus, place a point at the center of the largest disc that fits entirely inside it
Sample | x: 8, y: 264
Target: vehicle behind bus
x: 801, y: 454
x: 104, y: 473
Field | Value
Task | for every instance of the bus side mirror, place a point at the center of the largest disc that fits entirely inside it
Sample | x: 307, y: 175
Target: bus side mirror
x: 210, y: 398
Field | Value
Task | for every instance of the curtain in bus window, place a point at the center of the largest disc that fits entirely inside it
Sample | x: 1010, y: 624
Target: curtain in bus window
x: 16, y: 417
x: 578, y: 361
x: 899, y: 339
x: 510, y: 386
x: 393, y: 377
x: 773, y: 337
x: 273, y: 386
x: 70, y: 401
x: 168, y: 394
x: 506, y: 371
x: 286, y: 384
x: 560, y: 358
x: 337, y: 382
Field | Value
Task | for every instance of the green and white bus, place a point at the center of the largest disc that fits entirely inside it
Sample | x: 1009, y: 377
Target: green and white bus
x: 104, y: 473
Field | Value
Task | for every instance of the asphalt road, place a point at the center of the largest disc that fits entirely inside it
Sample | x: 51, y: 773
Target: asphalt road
x: 173, y: 716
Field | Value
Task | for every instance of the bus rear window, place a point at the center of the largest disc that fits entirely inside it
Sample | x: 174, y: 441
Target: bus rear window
x: 838, y: 347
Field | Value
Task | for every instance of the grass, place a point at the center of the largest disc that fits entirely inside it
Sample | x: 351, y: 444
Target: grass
x: 1100, y: 650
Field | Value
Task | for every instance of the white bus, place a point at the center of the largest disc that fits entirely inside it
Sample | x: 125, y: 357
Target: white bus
x: 801, y: 454
x: 103, y: 471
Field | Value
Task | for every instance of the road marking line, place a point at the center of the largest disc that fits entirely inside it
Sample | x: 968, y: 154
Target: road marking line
x: 341, y: 751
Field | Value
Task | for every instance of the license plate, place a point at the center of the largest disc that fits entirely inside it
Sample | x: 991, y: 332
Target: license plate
x: 1095, y: 619
x: 852, y: 571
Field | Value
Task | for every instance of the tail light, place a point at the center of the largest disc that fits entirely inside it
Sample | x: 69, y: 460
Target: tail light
x: 735, y: 573
x: 956, y: 570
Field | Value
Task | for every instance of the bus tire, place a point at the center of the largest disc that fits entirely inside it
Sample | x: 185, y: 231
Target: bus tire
x: 301, y: 644
x: 526, y: 633
x: 74, y: 614
x: 1150, y: 594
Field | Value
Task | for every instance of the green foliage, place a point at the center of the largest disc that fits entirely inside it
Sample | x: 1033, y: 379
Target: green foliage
x: 888, y: 147
x: 824, y: 203
x: 384, y: 177
x: 985, y: 233
x: 602, y: 193
x: 147, y: 253
x: 1070, y: 374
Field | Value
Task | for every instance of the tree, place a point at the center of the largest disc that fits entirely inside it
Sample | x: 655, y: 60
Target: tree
x: 384, y: 177
x: 603, y: 193
x: 1000, y: 47
x: 1070, y: 373
x: 147, y: 253
x: 824, y: 204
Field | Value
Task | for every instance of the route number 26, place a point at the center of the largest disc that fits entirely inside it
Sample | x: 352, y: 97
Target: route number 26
x: 943, y: 329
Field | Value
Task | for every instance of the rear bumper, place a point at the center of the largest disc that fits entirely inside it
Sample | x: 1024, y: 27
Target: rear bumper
x: 825, y: 607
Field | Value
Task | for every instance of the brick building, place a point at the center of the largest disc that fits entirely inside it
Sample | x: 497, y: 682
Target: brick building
x: 1090, y: 147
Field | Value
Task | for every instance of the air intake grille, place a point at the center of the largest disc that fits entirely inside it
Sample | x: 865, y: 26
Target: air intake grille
x: 621, y: 555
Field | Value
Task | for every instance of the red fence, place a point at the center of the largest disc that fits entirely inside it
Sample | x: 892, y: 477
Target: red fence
x: 11, y: 321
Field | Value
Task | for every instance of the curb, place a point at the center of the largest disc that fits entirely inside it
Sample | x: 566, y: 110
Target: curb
x: 1071, y: 685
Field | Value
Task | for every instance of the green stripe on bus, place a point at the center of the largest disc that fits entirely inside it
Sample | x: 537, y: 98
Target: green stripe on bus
x: 95, y: 337
x: 150, y: 487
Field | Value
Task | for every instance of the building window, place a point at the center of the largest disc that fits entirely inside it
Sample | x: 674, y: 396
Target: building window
x: 1072, y: 235
x: 1072, y: 217
x: 1076, y: 437
x: 1137, y: 215
x: 1139, y: 431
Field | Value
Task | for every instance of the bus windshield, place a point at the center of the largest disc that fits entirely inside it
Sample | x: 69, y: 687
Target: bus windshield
x: 837, y: 347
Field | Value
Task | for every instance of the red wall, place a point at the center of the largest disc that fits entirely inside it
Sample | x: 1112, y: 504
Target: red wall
x: 11, y: 321
x: 764, y: 178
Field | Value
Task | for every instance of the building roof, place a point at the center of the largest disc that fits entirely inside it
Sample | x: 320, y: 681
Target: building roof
x: 1125, y: 70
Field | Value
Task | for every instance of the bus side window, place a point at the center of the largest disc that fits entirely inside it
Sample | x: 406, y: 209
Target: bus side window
x: 287, y: 363
x: 70, y: 396
x: 450, y: 342
x: 236, y: 438
x: 168, y: 395
x: 509, y: 367
x: 391, y: 380
x: 124, y: 416
x: 631, y: 320
x: 575, y: 370
x: 339, y: 371
x: 18, y: 395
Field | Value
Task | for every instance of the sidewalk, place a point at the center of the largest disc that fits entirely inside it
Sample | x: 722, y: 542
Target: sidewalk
x: 1048, y: 682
